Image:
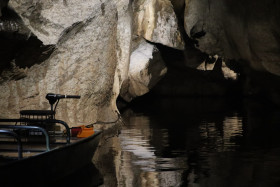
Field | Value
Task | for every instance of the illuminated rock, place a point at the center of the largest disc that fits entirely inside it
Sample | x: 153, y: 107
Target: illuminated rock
x: 145, y: 70
x: 156, y: 21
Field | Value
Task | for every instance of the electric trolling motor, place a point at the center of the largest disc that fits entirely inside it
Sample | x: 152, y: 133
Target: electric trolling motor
x: 54, y: 99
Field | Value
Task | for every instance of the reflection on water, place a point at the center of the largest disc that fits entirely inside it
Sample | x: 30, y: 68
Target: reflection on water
x: 139, y: 154
x: 190, y: 142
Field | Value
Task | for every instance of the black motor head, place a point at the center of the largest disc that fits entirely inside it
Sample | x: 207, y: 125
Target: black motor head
x: 52, y: 98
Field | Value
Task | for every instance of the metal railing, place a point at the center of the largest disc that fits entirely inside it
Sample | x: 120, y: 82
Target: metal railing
x: 47, y: 121
x: 13, y: 134
x: 20, y: 127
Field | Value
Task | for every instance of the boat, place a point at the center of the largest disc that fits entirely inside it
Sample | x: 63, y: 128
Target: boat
x: 38, y: 148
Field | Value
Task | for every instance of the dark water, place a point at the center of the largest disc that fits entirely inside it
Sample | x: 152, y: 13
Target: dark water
x: 196, y: 142
x: 191, y: 142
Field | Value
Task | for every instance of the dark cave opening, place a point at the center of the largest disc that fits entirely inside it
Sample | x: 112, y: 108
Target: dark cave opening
x: 18, y: 47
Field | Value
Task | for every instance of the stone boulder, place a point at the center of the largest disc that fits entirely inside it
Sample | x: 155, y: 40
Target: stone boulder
x: 226, y: 71
x: 156, y: 21
x: 240, y: 30
x: 91, y: 48
x: 49, y: 20
x: 85, y: 60
x: 146, y: 68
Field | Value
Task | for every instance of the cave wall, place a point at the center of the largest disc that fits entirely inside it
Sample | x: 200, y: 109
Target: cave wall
x: 241, y: 30
x: 88, y: 47
x: 84, y: 61
x: 109, y: 48
x: 154, y: 22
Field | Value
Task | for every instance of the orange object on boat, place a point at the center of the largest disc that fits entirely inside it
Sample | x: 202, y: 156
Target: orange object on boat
x: 85, y: 131
x: 75, y: 131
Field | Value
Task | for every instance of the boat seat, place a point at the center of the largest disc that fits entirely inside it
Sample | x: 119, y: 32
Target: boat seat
x: 37, y: 112
x: 37, y: 115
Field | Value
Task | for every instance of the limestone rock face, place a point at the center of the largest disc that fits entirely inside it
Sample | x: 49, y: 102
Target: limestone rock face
x: 227, y: 72
x: 145, y: 70
x: 50, y: 19
x: 124, y: 37
x: 156, y: 21
x: 93, y: 53
x: 101, y: 49
x: 241, y: 30
x: 84, y: 61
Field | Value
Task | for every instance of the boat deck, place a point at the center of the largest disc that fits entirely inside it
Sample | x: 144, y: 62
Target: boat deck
x: 9, y: 146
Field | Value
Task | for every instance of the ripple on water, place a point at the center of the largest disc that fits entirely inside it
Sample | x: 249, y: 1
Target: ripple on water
x: 177, y: 146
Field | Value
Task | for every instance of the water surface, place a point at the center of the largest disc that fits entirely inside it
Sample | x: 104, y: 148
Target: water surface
x: 194, y: 142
